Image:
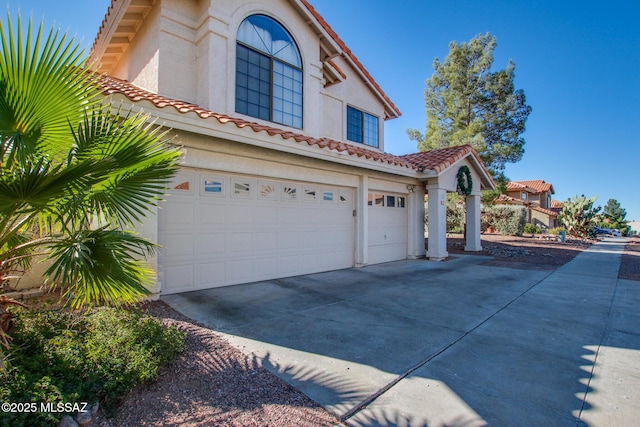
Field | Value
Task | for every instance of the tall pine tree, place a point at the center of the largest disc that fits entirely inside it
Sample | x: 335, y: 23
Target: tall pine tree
x: 467, y: 103
x: 614, y: 216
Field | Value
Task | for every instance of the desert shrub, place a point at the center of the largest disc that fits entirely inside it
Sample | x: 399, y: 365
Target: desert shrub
x: 507, y: 219
x: 531, y: 228
x: 555, y: 231
x: 64, y: 357
x: 455, y: 216
x: 455, y: 213
x: 579, y: 215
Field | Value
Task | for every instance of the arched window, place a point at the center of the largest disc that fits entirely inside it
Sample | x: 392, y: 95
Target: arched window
x: 268, y: 72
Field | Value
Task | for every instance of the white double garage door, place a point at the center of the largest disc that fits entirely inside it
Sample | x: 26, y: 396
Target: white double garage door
x: 219, y: 229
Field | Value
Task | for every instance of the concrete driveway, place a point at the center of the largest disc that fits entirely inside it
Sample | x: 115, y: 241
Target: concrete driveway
x: 454, y: 343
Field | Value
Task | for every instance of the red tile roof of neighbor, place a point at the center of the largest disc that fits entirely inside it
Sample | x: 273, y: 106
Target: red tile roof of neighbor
x: 508, y: 199
x: 436, y: 160
x: 544, y: 211
x: 537, y: 184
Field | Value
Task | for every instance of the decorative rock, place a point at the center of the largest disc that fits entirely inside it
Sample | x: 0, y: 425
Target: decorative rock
x: 85, y: 419
x: 67, y: 421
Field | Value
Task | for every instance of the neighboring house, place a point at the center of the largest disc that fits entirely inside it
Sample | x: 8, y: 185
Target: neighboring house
x: 535, y: 195
x: 284, y: 170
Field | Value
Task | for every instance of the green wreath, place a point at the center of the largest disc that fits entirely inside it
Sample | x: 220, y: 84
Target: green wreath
x: 465, y: 187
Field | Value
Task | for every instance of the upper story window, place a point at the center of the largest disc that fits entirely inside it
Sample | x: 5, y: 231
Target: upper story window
x: 523, y: 195
x: 268, y: 72
x: 362, y: 127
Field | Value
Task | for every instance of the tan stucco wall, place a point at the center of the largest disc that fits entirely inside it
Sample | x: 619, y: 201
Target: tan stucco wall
x: 539, y: 218
x: 186, y: 50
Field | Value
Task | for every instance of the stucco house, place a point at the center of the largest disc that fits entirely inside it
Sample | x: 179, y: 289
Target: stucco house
x: 535, y: 195
x: 284, y: 170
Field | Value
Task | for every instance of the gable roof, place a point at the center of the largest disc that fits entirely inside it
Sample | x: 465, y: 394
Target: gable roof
x: 428, y: 162
x: 124, y: 18
x: 391, y: 111
x: 443, y: 158
x: 537, y: 185
x: 544, y: 211
x: 503, y: 198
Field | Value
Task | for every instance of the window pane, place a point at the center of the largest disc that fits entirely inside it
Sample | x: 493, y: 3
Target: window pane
x: 268, y: 74
x: 354, y: 125
x: 287, y: 108
x: 268, y: 36
x: 391, y: 201
x: 252, y: 92
x: 370, y: 130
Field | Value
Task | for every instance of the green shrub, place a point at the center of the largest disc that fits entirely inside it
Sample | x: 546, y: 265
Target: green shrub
x: 507, y: 219
x: 455, y: 213
x: 555, y: 231
x: 530, y: 228
x: 579, y: 215
x: 63, y: 357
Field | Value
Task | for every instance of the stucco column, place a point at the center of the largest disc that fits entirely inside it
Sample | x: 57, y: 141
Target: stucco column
x: 472, y: 242
x: 437, y: 226
x: 362, y: 223
x: 415, y: 204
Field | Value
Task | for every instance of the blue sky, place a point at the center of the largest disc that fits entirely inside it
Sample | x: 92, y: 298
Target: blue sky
x: 577, y: 62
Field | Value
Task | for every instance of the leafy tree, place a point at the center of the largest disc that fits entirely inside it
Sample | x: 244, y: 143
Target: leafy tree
x: 469, y: 104
x: 579, y: 216
x: 613, y: 216
x: 74, y: 178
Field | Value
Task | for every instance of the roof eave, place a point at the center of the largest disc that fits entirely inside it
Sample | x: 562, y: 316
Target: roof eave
x: 326, y: 33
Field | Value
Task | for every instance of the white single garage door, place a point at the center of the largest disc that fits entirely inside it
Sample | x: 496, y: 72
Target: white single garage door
x: 388, y: 231
x: 220, y: 229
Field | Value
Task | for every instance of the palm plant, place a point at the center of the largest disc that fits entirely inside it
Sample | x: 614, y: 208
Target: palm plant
x: 75, y: 176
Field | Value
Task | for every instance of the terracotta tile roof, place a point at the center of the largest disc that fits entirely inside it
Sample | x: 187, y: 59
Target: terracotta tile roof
x: 438, y: 160
x: 556, y: 204
x: 537, y: 184
x: 350, y: 54
x: 503, y: 198
x: 320, y: 20
x: 544, y: 211
x: 434, y: 160
x: 111, y: 85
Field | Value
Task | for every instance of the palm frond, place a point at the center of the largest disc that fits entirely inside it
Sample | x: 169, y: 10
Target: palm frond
x: 42, y: 88
x: 102, y: 266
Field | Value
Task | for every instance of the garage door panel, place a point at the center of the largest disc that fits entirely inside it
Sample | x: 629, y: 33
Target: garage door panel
x: 211, y: 216
x: 212, y: 274
x: 388, y: 227
x: 180, y: 214
x: 265, y: 268
x: 266, y: 216
x: 290, y: 216
x: 178, y: 278
x: 212, y: 243
x: 240, y: 269
x: 239, y: 242
x: 245, y: 229
x: 239, y: 215
x: 263, y: 242
x: 288, y: 265
x: 288, y: 240
x: 178, y: 245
